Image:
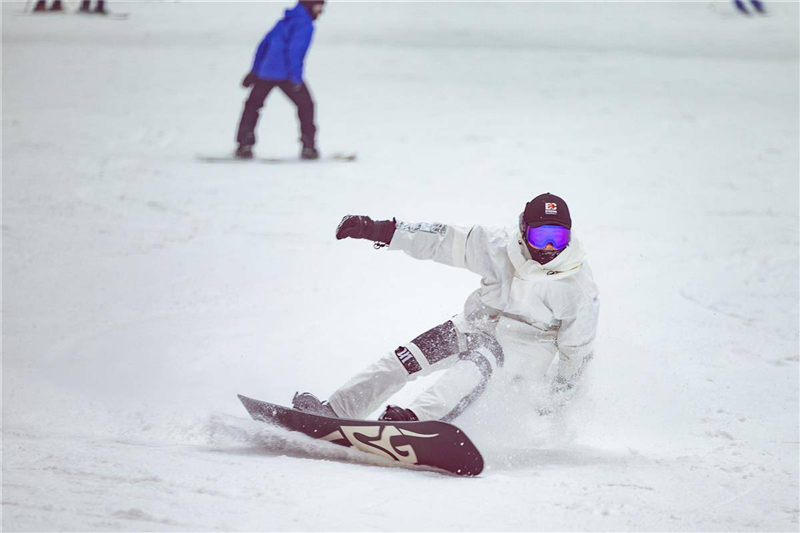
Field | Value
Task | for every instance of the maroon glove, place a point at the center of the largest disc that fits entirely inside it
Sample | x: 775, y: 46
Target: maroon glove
x: 363, y: 227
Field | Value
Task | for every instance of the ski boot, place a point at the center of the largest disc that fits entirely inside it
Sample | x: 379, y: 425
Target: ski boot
x: 100, y: 8
x: 244, y: 151
x: 57, y: 6
x: 309, y: 153
x: 394, y: 413
x: 308, y: 403
x: 85, y: 7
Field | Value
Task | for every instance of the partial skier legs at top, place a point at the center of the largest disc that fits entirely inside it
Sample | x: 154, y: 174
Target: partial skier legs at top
x: 86, y: 7
x: 757, y: 5
x: 41, y: 5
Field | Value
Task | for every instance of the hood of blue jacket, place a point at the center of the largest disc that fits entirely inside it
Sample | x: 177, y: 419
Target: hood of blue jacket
x: 297, y: 12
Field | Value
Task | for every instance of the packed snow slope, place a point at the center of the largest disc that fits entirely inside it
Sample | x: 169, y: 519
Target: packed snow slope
x: 143, y: 289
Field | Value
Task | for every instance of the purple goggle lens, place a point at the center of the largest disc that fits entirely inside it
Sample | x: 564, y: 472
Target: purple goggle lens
x: 558, y: 236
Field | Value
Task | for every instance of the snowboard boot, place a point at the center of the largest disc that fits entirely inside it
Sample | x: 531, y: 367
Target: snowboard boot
x: 244, y: 151
x: 85, y: 7
x: 394, y: 413
x: 309, y: 153
x: 308, y: 403
x: 57, y: 6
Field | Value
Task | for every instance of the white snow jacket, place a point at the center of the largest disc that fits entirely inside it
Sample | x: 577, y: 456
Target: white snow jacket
x: 523, y: 304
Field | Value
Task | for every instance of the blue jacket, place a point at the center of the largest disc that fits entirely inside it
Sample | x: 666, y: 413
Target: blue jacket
x: 281, y: 53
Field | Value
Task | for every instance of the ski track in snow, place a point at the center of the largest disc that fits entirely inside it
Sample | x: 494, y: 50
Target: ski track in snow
x: 143, y: 289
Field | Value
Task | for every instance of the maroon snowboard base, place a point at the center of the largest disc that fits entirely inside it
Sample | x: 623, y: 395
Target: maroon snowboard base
x: 429, y: 443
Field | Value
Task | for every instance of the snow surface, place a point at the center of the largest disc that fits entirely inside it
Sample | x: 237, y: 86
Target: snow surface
x: 142, y: 289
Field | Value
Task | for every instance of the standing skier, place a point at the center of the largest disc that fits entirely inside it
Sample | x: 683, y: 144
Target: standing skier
x: 537, y: 300
x: 279, y: 63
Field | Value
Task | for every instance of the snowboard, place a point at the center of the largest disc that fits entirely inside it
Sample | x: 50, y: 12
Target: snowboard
x: 342, y: 158
x: 428, y: 443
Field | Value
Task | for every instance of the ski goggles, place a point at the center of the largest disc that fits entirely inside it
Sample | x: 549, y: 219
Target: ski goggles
x: 539, y: 237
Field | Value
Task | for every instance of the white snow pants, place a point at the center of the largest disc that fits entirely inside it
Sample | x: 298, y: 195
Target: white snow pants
x: 471, y: 358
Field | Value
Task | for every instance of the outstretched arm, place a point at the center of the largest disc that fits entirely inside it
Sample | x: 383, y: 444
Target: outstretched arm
x: 432, y: 241
x: 463, y: 247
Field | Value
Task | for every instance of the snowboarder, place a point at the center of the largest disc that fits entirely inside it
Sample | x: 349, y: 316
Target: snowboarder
x: 279, y: 63
x: 537, y: 300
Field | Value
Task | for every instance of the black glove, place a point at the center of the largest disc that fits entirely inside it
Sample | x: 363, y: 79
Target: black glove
x: 249, y: 80
x: 363, y: 227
